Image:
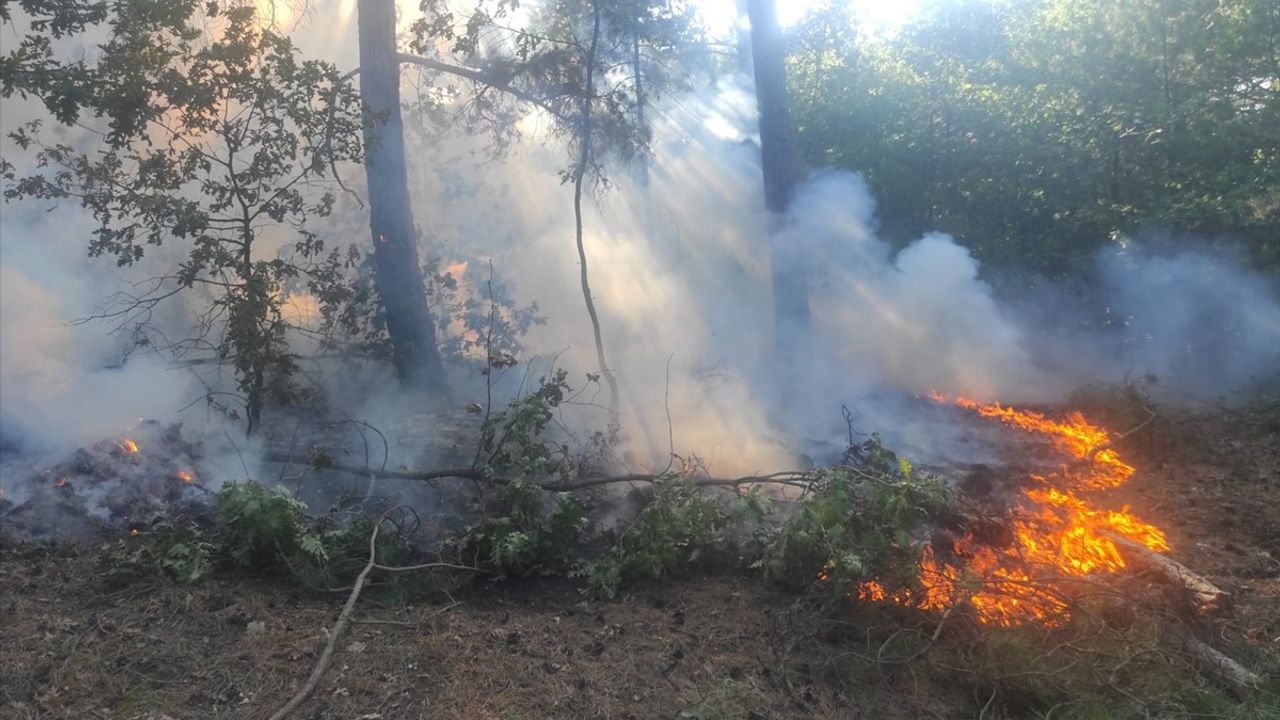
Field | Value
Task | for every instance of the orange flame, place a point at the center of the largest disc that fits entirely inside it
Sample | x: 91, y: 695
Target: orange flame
x: 185, y: 476
x: 129, y: 446
x: 1057, y: 532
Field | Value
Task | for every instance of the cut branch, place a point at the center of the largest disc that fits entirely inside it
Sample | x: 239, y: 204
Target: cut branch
x: 344, y: 619
x: 1207, y: 597
x: 795, y: 478
x: 1222, y: 667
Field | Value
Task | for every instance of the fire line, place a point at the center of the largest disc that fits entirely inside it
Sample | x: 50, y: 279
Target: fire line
x: 1058, y: 532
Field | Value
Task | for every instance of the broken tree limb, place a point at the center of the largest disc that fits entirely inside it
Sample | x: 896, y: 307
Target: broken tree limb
x: 1222, y: 667
x: 344, y: 619
x: 1207, y: 597
x: 795, y: 478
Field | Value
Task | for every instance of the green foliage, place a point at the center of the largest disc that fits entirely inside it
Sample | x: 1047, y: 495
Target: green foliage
x: 219, y: 133
x: 185, y: 553
x: 522, y: 539
x: 857, y: 523
x: 511, y: 440
x: 261, y: 528
x: 264, y: 526
x: 1036, y: 132
x: 679, y: 525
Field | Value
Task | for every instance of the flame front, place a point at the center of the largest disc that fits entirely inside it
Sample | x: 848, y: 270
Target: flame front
x: 1059, y: 533
x: 129, y: 446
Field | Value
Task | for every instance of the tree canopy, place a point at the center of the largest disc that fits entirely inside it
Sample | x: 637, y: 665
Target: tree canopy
x: 1035, y: 131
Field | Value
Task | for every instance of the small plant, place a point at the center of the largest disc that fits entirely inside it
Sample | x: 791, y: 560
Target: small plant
x: 511, y: 441
x: 521, y: 539
x: 678, y: 525
x: 265, y: 526
x: 184, y: 553
x: 859, y: 522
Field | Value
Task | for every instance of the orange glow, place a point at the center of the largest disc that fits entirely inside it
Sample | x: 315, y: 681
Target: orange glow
x: 129, y: 446
x: 185, y: 476
x: 62, y: 482
x: 1059, y: 532
x: 134, y: 532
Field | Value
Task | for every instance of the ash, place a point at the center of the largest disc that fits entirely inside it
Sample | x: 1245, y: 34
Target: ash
x: 117, y: 486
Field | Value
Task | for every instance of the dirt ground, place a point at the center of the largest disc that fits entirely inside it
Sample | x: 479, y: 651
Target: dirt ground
x: 77, y: 643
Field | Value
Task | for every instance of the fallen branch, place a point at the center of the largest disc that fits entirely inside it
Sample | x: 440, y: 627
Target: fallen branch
x: 1222, y: 667
x: 1208, y: 598
x: 344, y: 618
x: 796, y: 478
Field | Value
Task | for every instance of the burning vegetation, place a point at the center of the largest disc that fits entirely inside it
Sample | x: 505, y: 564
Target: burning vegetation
x: 1060, y: 529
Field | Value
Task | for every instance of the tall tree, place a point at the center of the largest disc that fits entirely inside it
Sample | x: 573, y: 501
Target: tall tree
x: 777, y: 159
x: 400, y: 282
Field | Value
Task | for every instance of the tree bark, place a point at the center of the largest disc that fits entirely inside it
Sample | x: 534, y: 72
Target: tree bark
x: 399, y: 274
x: 777, y: 159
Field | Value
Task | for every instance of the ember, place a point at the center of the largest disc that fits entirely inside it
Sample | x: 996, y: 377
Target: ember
x: 1058, y: 532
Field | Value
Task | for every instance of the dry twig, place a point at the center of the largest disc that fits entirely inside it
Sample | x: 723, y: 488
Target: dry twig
x: 344, y: 618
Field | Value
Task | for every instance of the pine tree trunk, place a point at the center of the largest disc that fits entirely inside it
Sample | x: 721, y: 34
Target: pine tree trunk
x: 399, y: 273
x: 777, y: 159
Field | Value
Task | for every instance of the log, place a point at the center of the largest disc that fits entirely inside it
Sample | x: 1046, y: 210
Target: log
x: 1207, y: 597
x: 1222, y: 667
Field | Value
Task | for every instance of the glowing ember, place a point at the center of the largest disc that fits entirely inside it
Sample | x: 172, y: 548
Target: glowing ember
x: 134, y: 532
x: 1058, y: 533
x: 129, y: 446
x: 185, y: 476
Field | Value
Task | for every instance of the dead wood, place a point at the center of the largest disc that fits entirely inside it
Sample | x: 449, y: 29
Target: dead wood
x: 796, y: 478
x: 344, y: 617
x: 1222, y: 667
x: 1207, y: 597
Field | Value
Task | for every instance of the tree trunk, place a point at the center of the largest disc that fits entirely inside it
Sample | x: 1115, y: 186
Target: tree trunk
x: 579, y: 176
x: 399, y: 274
x: 777, y: 159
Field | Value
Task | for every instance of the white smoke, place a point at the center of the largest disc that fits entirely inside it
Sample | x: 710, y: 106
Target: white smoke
x: 681, y: 279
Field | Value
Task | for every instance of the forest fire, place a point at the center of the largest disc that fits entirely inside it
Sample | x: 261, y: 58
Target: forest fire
x: 129, y: 446
x: 1059, y: 532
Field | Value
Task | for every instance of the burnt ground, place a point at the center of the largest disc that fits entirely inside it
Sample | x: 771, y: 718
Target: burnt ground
x: 78, y: 642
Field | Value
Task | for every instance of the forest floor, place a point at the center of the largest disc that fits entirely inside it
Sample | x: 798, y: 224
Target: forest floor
x: 77, y: 643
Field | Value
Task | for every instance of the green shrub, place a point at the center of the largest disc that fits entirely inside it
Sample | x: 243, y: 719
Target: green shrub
x: 679, y: 524
x: 263, y: 526
x: 184, y: 553
x: 522, y: 539
x: 857, y: 523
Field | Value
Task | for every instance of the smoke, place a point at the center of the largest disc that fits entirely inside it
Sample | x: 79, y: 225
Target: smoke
x: 679, y: 270
x: 63, y: 386
x: 1196, y: 323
